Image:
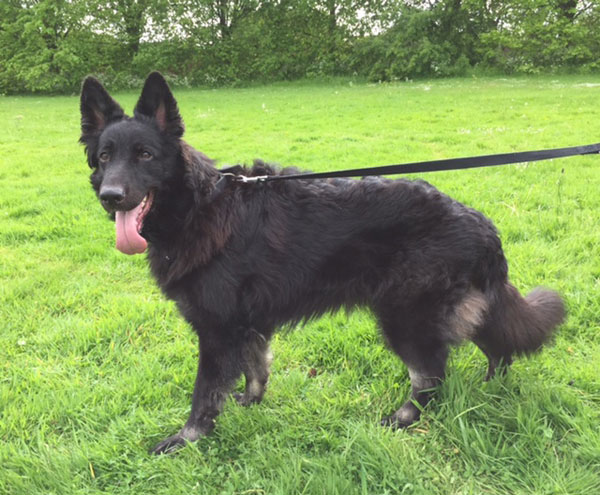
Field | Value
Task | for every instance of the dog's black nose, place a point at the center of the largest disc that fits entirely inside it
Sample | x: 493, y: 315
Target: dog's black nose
x: 112, y: 194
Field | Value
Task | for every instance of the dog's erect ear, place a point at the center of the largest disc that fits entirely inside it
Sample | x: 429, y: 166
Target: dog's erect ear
x: 98, y: 109
x: 158, y: 103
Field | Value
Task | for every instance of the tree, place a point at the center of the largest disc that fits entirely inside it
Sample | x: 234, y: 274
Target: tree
x: 126, y: 20
x: 538, y: 35
x: 38, y: 44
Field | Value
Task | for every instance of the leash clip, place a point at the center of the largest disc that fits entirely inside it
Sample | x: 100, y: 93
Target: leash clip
x: 245, y: 179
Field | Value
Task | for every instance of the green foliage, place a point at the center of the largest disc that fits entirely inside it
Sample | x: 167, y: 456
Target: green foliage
x: 418, y: 45
x: 37, y: 53
x: 537, y: 35
x: 49, y: 45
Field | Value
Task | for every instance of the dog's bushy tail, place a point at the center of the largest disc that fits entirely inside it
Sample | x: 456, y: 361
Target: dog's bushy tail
x: 521, y: 325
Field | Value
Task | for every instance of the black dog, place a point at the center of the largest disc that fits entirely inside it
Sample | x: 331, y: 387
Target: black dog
x: 241, y: 260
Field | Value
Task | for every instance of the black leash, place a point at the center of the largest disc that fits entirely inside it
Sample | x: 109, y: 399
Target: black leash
x: 431, y: 166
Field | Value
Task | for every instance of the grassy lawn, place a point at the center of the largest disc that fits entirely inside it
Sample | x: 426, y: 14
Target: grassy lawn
x: 96, y: 367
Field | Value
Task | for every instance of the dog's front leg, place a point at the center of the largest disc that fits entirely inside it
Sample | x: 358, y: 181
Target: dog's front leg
x: 218, y: 369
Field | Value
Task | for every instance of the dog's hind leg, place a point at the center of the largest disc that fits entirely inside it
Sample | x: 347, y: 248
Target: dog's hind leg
x: 496, y: 362
x: 218, y: 368
x: 425, y: 373
x: 425, y: 356
x: 256, y: 360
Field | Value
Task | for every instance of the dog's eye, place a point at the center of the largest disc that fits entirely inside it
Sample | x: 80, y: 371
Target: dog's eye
x: 146, y: 155
x: 103, y: 157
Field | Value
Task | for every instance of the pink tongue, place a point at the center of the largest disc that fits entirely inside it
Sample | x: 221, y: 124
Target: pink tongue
x: 129, y: 241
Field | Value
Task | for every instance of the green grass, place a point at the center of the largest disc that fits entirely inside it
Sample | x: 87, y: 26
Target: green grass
x: 96, y: 367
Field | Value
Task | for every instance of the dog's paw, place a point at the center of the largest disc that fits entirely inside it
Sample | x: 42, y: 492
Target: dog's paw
x: 393, y: 422
x: 497, y: 366
x: 170, y: 445
x: 177, y: 441
x: 245, y: 400
x: 403, y: 417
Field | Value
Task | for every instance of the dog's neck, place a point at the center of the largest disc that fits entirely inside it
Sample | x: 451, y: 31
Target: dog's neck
x: 188, y: 227
x: 186, y: 194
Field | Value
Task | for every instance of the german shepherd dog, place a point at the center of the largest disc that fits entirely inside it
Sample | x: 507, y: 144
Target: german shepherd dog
x: 241, y: 260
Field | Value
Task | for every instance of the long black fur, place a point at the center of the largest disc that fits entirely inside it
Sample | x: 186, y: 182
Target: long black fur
x: 242, y: 260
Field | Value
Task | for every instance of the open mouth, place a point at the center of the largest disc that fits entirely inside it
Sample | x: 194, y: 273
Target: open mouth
x: 129, y: 226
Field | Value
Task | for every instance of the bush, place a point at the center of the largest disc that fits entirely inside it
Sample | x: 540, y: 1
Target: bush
x: 410, y: 49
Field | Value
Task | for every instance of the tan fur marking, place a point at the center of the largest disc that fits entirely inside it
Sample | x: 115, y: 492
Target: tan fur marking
x: 469, y: 314
x: 269, y: 358
x: 255, y: 389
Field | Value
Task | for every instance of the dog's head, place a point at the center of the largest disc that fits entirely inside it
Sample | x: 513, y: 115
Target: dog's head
x: 131, y: 157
